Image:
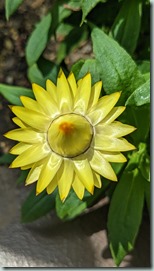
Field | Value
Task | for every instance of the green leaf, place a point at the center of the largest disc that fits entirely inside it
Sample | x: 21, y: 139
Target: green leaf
x: 147, y: 194
x: 6, y: 158
x: 144, y: 166
x: 123, y: 29
x: 35, y: 207
x: 73, y: 206
x: 118, y: 70
x: 139, y: 117
x: 89, y: 65
x: 144, y: 66
x: 39, y: 73
x: 38, y: 40
x: 125, y: 214
x: 140, y: 96
x: 13, y: 93
x: 87, y: 6
x: 11, y: 6
x: 22, y: 177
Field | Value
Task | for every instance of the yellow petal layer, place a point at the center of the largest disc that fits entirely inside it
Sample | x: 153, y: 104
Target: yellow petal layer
x: 115, y: 129
x: 25, y: 135
x: 31, y: 104
x: 105, y: 143
x: 52, y: 185
x: 66, y: 179
x: 113, y: 114
x: 83, y: 95
x: 115, y: 157
x: 84, y: 173
x: 72, y: 82
x: 78, y: 187
x: 33, y: 174
x: 48, y: 171
x: 105, y: 104
x: 32, y: 155
x: 97, y: 180
x: 18, y: 122
x: 64, y: 94
x: 95, y: 93
x: 51, y: 89
x: 30, y: 117
x: 45, y: 101
x: 102, y: 166
x: 19, y: 148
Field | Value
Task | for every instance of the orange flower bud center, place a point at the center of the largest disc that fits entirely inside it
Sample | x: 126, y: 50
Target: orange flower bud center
x: 66, y: 127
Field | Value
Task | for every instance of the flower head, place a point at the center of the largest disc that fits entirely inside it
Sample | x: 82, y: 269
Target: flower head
x: 68, y: 136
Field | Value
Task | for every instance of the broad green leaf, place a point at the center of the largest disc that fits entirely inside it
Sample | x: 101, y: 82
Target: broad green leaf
x: 118, y: 70
x: 144, y: 166
x: 147, y: 190
x: 87, y: 6
x: 144, y: 66
x: 6, y: 158
x: 35, y: 75
x: 13, y: 93
x: 48, y: 69
x: 38, y: 76
x: 89, y: 65
x: 63, y: 30
x: 22, y: 177
x: 11, y: 6
x: 125, y: 214
x: 140, y: 96
x: 38, y: 40
x: 73, y: 206
x: 35, y: 207
x: 139, y: 117
x: 77, y: 67
x: 125, y: 29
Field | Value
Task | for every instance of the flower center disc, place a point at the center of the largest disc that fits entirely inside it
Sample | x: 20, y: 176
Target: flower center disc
x: 70, y: 135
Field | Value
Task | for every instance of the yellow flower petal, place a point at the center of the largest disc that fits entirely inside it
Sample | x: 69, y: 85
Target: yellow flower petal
x: 33, y: 174
x: 52, y: 185
x: 115, y: 129
x: 78, y: 187
x: 19, y: 148
x: 97, y: 180
x: 30, y: 117
x: 115, y: 157
x: 66, y: 179
x: 25, y: 135
x: 99, y: 111
x: 45, y: 101
x: 102, y: 166
x: 95, y: 93
x: 84, y: 173
x: 64, y: 94
x: 113, y: 114
x: 31, y: 104
x: 83, y: 95
x: 72, y: 82
x: 48, y: 171
x: 19, y: 122
x: 112, y: 144
x: 32, y: 155
x: 51, y: 89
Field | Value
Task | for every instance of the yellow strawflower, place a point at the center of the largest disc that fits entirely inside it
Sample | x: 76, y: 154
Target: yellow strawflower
x: 68, y: 136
